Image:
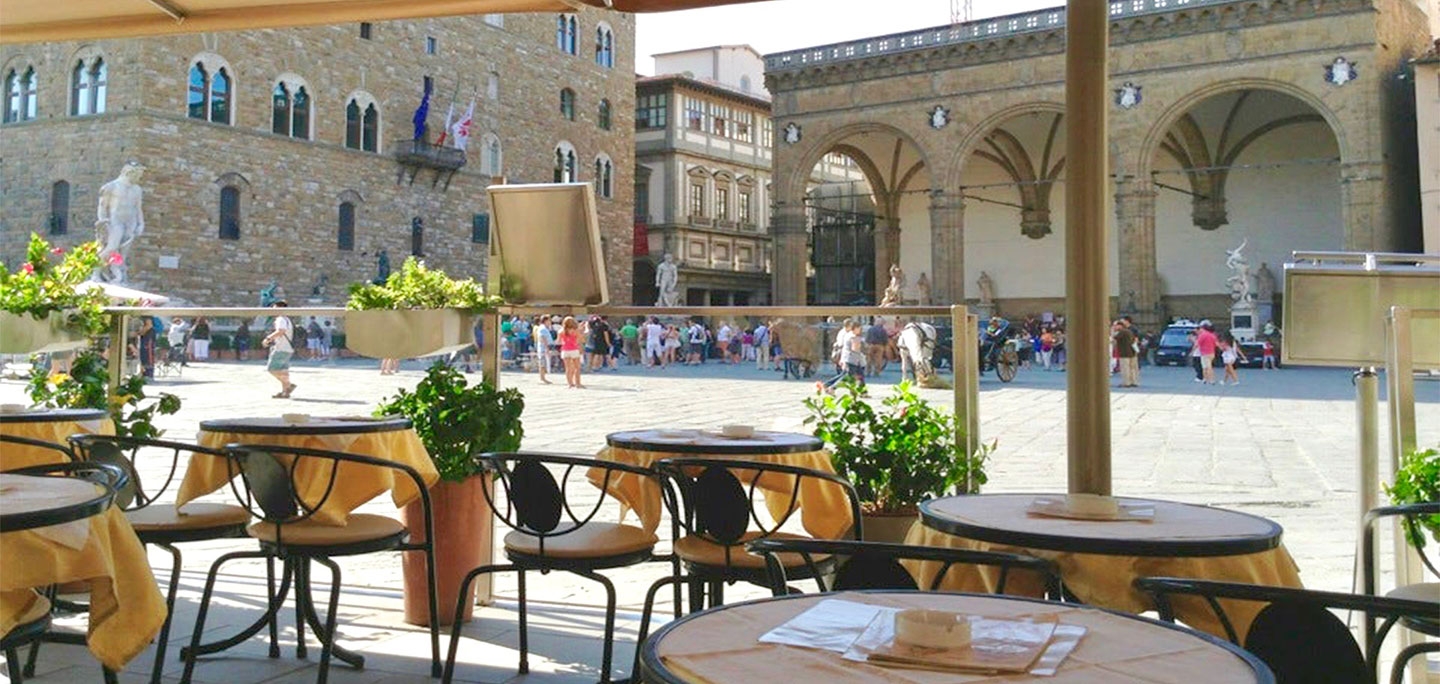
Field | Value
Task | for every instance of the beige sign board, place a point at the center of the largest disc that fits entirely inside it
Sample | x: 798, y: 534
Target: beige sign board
x: 548, y: 241
x: 1335, y: 313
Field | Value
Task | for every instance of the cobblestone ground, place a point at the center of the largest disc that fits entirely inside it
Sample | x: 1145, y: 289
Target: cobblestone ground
x: 1281, y: 445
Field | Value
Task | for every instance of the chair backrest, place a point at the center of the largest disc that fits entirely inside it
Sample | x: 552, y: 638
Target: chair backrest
x: 1413, y: 515
x: 1296, y: 634
x: 62, y: 453
x: 126, y: 453
x: 540, y: 505
x: 107, y: 478
x: 876, y: 565
x: 716, y: 499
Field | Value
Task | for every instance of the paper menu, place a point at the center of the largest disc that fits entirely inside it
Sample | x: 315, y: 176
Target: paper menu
x: 996, y: 646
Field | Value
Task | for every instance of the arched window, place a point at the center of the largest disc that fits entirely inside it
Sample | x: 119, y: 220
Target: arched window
x: 362, y: 124
x: 300, y: 115
x: 209, y: 95
x: 345, y: 227
x: 490, y: 156
x: 280, y: 113
x: 604, y: 115
x: 20, y: 90
x: 567, y: 104
x: 492, y: 86
x: 230, y: 213
x: 604, y: 177
x: 566, y: 31
x: 565, y: 163
x: 604, y: 46
x: 290, y: 115
x: 370, y: 129
x: 87, y: 88
x: 59, y: 207
x: 352, y: 125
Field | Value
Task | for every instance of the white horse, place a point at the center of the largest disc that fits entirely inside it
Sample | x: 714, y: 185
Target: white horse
x: 917, y: 346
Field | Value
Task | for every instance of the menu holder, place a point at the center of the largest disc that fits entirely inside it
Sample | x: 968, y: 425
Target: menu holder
x: 1057, y: 508
x: 997, y: 646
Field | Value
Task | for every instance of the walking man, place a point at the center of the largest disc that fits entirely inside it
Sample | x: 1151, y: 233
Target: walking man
x: 1127, y: 349
x: 279, y: 342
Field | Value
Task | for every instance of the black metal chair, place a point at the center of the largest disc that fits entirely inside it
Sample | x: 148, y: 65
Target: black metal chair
x: 551, y: 529
x: 1419, y: 591
x: 269, y: 489
x: 715, y: 511
x: 876, y: 565
x: 62, y: 452
x: 34, y: 625
x: 162, y: 524
x: 1296, y: 633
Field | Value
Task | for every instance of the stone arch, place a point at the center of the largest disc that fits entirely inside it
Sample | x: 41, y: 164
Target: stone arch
x: 977, y: 133
x: 791, y: 186
x: 1033, y: 166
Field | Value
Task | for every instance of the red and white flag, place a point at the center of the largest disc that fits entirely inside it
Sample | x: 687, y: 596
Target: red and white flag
x: 461, y: 129
x: 445, y: 130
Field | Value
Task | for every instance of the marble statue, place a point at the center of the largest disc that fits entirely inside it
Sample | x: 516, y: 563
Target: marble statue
x: 667, y: 276
x: 895, y: 292
x: 923, y: 287
x: 1239, y: 280
x: 1264, y: 284
x: 987, y: 289
x: 119, y: 219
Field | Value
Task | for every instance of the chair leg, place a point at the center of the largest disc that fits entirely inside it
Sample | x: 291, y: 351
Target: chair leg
x: 12, y: 666
x: 108, y: 675
x: 524, y: 628
x: 272, y: 598
x: 325, y: 635
x: 164, y: 639
x: 449, y: 672
x: 192, y: 653
x: 645, y: 617
x: 1402, y: 659
x: 609, y: 643
x: 34, y: 653
x: 302, y: 588
x: 327, y: 640
x: 434, y: 612
x: 272, y: 614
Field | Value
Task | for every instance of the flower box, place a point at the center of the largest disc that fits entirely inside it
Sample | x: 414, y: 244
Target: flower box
x: 408, y: 333
x: 25, y: 334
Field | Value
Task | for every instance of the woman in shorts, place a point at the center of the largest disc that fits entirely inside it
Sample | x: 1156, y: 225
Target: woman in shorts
x: 570, y: 351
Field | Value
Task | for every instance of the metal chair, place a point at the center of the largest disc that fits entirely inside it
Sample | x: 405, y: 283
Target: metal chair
x: 553, y: 527
x: 62, y: 453
x: 1421, y: 591
x: 268, y: 488
x: 876, y: 565
x: 162, y: 524
x: 1296, y: 634
x: 34, y: 626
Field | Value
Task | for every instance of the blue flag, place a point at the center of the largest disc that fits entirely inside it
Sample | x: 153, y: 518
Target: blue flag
x: 423, y: 111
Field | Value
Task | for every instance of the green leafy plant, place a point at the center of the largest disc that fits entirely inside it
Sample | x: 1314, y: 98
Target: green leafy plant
x: 1418, y: 481
x: 457, y: 421
x: 416, y: 287
x: 898, y: 455
x: 85, y: 386
x: 46, y: 282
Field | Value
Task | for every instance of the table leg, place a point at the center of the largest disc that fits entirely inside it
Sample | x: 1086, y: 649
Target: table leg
x: 276, y: 600
x: 305, y: 603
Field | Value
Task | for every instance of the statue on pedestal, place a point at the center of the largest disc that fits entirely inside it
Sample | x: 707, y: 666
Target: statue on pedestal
x: 987, y: 289
x: 119, y: 219
x: 382, y: 267
x: 895, y: 292
x: 1264, y: 284
x: 923, y: 287
x: 667, y: 277
x: 272, y: 293
x: 1239, y: 280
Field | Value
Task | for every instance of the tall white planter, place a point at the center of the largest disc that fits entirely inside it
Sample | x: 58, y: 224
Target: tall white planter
x: 407, y: 333
x: 25, y: 334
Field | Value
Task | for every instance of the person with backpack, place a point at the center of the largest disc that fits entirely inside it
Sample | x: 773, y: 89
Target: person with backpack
x: 280, y: 341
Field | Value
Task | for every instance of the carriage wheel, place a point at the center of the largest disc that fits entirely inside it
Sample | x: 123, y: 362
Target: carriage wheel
x: 1006, y: 365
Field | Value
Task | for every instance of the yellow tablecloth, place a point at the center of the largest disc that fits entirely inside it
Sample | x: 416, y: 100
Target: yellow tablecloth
x: 824, y: 508
x: 1105, y: 580
x: 354, y: 485
x: 126, y: 608
x: 14, y: 456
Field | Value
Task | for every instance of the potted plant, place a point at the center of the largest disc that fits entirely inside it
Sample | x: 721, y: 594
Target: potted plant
x: 897, y: 455
x: 1418, y: 481
x: 416, y: 312
x: 42, y: 307
x: 85, y: 386
x: 456, y: 422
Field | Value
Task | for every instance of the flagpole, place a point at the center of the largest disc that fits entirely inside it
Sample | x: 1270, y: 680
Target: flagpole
x: 449, y: 114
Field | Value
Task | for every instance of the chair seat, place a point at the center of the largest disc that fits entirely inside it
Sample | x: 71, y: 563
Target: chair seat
x: 358, y: 528
x: 693, y: 549
x: 193, y: 516
x: 1421, y: 591
x: 591, y: 540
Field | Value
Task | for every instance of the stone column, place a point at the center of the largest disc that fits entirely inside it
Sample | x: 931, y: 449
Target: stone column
x: 791, y: 256
x: 1362, y: 185
x: 1139, y: 277
x: 887, y: 252
x: 947, y: 248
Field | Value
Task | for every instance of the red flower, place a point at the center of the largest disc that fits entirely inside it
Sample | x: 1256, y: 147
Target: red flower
x: 115, y: 259
x: 58, y: 250
x: 27, y: 268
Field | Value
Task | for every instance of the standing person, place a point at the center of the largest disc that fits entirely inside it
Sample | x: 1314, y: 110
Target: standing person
x: 1230, y: 352
x: 654, y: 342
x: 1267, y: 361
x: 722, y: 338
x: 242, y: 341
x: 281, y: 349
x: 762, y: 346
x: 200, y: 338
x: 314, y: 338
x: 1047, y: 347
x: 630, y: 340
x: 877, y: 346
x: 176, y: 337
x: 747, y: 345
x: 1195, y: 355
x: 297, y: 338
x: 146, y: 337
x: 327, y: 341
x: 544, y: 340
x: 672, y: 345
x: 1127, y: 347
x: 599, y: 343
x: 389, y: 366
x: 733, y: 348
x: 1206, y: 342
x: 570, y: 351
x: 696, y: 335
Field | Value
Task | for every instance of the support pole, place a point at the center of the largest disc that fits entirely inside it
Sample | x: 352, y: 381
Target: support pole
x: 117, y: 353
x: 1367, y: 429
x: 1087, y: 29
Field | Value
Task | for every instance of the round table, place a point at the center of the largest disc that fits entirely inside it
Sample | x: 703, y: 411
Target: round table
x: 1099, y: 559
x: 721, y: 645
x: 29, y: 501
x: 54, y: 425
x: 824, y: 506
x: 391, y: 439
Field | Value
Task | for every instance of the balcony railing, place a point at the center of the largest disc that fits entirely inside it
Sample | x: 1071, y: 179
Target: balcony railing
x: 414, y: 155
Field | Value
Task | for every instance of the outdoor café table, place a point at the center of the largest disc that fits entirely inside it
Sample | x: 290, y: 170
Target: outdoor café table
x: 1098, y: 560
x: 824, y: 508
x: 101, y: 550
x: 721, y: 645
x: 53, y: 425
x: 354, y: 484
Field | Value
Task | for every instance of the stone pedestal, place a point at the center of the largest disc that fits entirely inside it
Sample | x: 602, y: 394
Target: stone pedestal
x: 1245, y: 320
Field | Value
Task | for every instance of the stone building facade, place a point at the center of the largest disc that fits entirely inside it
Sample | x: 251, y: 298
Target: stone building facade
x: 271, y: 154
x: 1281, y: 124
x: 1427, y: 139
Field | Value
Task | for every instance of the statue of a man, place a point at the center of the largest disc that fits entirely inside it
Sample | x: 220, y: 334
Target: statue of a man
x: 667, y: 276
x: 1239, y: 281
x: 118, y: 221
x: 1265, y: 284
x: 987, y: 288
x: 923, y: 287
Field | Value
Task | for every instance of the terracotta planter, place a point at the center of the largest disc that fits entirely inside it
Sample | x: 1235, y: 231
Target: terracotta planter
x: 408, y: 333
x: 888, y: 527
x: 465, y: 528
x: 24, y: 334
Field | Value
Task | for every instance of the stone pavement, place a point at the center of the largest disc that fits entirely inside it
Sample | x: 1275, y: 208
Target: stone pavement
x: 1280, y: 445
